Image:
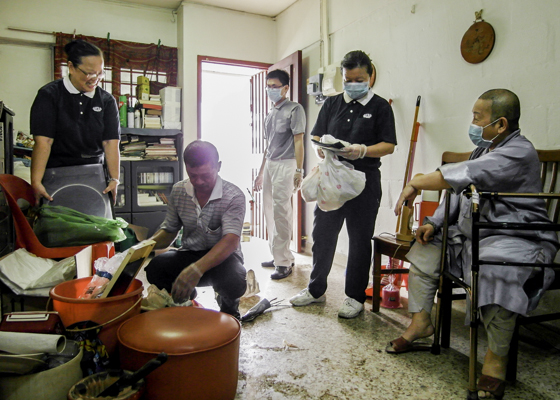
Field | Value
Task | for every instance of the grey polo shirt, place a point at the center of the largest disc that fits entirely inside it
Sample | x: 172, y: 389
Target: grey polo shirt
x: 283, y: 122
x: 204, y: 227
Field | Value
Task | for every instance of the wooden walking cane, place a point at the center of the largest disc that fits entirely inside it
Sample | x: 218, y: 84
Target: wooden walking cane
x: 404, y: 222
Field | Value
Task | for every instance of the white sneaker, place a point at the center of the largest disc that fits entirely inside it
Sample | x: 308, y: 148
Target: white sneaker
x: 305, y: 298
x: 350, y: 308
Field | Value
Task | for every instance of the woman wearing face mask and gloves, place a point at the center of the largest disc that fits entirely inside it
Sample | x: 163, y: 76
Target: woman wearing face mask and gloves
x: 74, y: 122
x: 360, y: 117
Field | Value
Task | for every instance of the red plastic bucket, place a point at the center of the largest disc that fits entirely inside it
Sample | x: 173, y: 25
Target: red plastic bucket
x: 72, y: 309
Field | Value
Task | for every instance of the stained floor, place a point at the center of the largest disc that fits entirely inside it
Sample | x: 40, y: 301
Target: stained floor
x: 310, y: 353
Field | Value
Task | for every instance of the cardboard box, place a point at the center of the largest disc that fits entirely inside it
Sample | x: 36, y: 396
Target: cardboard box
x: 143, y: 90
x: 170, y: 94
x: 171, y: 124
x: 171, y: 111
x: 142, y: 80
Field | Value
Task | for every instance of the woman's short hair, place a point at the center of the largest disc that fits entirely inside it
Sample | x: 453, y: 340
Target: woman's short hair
x: 357, y: 59
x: 200, y: 153
x: 79, y: 48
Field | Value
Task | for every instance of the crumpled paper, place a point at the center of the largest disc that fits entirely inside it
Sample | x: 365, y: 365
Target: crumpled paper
x: 157, y: 298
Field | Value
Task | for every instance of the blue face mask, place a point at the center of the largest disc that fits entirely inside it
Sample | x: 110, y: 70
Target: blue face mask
x: 475, y: 133
x: 274, y: 94
x: 356, y: 90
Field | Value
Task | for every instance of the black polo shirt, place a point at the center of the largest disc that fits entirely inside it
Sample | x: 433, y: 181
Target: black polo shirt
x: 77, y: 122
x: 365, y: 121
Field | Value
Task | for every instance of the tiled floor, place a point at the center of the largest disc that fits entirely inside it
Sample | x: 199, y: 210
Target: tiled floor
x: 310, y: 353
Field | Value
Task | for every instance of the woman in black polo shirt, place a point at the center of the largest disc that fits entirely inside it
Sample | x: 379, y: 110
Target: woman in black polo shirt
x: 363, y: 118
x: 74, y: 122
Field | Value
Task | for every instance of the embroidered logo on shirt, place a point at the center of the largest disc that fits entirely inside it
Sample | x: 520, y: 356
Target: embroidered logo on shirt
x: 97, y: 109
x: 367, y: 115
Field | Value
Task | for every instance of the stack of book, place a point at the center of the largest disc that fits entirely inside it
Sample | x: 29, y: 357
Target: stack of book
x: 164, y: 150
x: 133, y: 149
x: 151, y: 112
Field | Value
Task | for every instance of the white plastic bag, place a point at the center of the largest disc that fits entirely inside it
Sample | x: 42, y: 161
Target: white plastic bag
x: 338, y: 182
x: 26, y: 274
x: 310, y: 185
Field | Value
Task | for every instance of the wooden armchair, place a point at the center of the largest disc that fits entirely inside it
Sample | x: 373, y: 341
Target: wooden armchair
x: 551, y: 194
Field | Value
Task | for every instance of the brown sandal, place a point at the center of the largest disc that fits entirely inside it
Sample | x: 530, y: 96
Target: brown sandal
x: 494, y: 386
x: 401, y: 345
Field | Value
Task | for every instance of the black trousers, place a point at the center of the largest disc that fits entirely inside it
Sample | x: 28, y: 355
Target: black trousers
x: 228, y: 279
x: 360, y: 214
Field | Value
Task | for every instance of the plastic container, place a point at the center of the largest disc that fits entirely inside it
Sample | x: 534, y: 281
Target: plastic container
x: 130, y: 117
x: 390, y: 296
x: 122, y: 111
x: 137, y: 119
x: 72, y: 309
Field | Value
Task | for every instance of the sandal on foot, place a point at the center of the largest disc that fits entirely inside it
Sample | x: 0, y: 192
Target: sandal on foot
x: 401, y: 345
x: 494, y: 386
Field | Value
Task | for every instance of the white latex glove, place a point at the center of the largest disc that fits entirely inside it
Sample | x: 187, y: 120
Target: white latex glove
x: 298, y: 178
x: 354, y: 151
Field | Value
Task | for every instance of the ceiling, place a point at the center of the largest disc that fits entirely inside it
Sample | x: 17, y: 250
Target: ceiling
x: 269, y: 8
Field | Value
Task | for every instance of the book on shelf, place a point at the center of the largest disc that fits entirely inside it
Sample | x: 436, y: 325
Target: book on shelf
x: 153, y: 112
x: 163, y: 197
x: 160, y: 158
x: 164, y: 140
x: 132, y: 153
x: 151, y: 106
x: 149, y: 102
x: 134, y: 146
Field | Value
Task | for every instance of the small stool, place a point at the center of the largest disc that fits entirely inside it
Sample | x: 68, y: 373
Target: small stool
x: 203, y: 350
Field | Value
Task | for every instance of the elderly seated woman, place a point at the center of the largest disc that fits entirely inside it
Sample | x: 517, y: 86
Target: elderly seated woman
x: 504, y: 161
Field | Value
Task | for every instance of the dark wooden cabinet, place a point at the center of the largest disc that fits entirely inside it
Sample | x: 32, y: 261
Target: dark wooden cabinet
x: 145, y: 184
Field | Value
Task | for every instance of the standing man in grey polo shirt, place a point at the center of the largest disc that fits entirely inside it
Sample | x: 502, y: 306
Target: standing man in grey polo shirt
x: 281, y: 171
x: 211, y: 212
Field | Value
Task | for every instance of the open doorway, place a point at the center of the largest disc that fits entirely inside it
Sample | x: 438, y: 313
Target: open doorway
x: 225, y: 117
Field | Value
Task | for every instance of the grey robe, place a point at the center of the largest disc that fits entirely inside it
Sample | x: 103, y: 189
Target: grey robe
x: 513, y: 166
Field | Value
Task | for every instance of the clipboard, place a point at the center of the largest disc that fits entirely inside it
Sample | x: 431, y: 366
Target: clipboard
x: 134, y: 260
x: 336, y: 147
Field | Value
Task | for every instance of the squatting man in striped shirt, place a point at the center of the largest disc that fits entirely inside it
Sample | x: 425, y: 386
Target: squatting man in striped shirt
x: 210, y: 211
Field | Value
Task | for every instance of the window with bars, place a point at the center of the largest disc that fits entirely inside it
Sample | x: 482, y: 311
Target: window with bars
x: 124, y: 63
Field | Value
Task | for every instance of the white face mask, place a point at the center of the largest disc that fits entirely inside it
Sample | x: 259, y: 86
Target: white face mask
x: 475, y: 133
x: 356, y: 90
x: 274, y: 94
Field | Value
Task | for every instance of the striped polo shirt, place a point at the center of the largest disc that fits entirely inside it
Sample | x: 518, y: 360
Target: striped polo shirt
x: 204, y: 227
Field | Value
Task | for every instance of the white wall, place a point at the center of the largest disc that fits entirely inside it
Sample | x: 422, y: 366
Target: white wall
x: 213, y: 32
x: 23, y: 70
x: 418, y: 54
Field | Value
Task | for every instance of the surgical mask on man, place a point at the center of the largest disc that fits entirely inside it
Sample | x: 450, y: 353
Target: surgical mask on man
x: 475, y: 133
x: 274, y: 94
x: 356, y: 90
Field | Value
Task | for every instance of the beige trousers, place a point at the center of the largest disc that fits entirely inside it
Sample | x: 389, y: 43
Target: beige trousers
x: 423, y: 283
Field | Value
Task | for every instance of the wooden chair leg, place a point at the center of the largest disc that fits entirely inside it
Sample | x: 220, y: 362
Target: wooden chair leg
x: 446, y: 308
x: 376, y: 300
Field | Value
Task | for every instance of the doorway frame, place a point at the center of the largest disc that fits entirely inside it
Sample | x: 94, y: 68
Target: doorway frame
x: 223, y: 61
